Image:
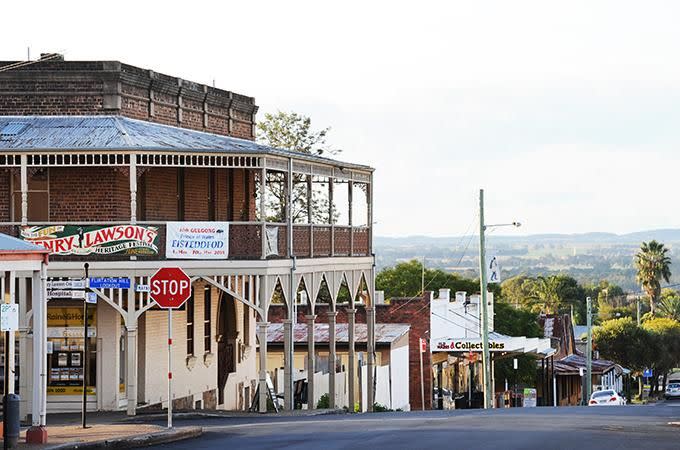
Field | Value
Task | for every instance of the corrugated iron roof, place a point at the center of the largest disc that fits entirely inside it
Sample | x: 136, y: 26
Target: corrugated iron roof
x: 14, y: 245
x: 97, y: 133
x: 570, y: 365
x: 385, y: 333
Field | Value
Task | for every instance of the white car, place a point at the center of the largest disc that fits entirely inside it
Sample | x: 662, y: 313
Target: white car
x: 672, y: 390
x: 606, y: 398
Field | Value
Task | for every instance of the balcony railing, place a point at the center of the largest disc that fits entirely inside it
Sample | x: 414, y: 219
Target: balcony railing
x: 247, y: 241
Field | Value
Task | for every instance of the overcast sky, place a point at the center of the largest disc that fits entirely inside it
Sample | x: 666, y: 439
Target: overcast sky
x: 566, y: 113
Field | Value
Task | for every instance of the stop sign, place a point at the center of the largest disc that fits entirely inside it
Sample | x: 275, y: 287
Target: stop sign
x: 170, y: 287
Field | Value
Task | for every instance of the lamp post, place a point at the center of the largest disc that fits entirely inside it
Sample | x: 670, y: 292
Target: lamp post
x: 486, y: 363
x: 589, y: 350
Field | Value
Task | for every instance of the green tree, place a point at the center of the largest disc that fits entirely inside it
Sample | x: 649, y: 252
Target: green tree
x: 653, y: 265
x: 552, y: 293
x: 511, y: 321
x: 624, y: 342
x: 405, y: 279
x: 665, y: 337
x: 292, y: 131
x: 515, y: 290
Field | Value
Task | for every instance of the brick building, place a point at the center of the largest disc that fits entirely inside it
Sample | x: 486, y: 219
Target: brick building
x: 130, y: 170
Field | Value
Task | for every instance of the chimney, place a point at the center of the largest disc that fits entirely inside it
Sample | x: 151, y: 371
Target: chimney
x: 444, y: 294
x: 379, y: 297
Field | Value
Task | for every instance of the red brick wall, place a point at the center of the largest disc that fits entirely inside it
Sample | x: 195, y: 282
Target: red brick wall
x: 414, y: 312
x: 196, y: 194
x: 160, y: 190
x: 89, y: 194
x: 4, y: 195
x: 160, y: 194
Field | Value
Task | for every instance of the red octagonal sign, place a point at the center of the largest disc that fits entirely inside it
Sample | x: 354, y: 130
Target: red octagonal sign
x: 170, y: 287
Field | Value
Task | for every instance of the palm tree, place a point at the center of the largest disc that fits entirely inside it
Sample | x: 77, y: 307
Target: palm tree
x: 546, y: 292
x: 669, y: 307
x: 653, y: 265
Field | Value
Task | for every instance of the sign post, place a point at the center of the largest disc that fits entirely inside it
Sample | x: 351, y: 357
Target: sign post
x: 170, y: 287
x: 9, y: 319
x: 85, y: 348
x: 423, y: 346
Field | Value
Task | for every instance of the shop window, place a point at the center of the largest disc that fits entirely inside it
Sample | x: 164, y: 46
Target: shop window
x: 207, y: 301
x: 190, y: 325
x: 38, y: 196
x: 65, y: 348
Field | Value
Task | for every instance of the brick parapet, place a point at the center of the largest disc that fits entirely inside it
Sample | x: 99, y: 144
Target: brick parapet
x: 110, y: 87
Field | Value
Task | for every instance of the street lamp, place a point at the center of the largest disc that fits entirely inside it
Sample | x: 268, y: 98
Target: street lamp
x: 486, y: 363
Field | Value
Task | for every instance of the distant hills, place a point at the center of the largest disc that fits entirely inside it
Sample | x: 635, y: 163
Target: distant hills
x: 663, y: 235
x: 589, y: 257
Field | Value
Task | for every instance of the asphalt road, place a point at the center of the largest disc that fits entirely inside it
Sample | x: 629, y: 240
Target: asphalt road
x: 582, y: 428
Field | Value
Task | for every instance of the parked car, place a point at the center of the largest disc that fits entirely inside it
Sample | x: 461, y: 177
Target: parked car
x: 672, y: 391
x: 606, y: 398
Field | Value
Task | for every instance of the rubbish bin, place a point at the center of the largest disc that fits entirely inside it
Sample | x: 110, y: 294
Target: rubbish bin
x: 11, y: 409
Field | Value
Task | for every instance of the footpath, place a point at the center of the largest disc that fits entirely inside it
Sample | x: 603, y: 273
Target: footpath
x: 114, y: 430
x: 105, y: 431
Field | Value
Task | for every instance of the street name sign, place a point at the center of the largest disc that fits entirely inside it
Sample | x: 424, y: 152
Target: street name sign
x: 170, y: 287
x: 66, y: 293
x: 57, y: 285
x: 109, y: 283
x: 9, y: 317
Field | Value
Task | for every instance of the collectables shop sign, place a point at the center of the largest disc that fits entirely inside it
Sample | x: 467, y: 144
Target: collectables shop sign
x: 97, y: 240
x: 466, y: 345
x: 197, y: 240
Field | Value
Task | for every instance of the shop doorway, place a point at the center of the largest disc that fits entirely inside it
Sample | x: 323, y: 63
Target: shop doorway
x: 227, y: 339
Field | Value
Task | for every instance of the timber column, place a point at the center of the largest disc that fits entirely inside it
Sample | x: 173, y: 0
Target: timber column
x: 331, y: 359
x: 311, y: 365
x: 288, y: 364
x: 262, y: 376
x: 370, y: 349
x: 351, y: 369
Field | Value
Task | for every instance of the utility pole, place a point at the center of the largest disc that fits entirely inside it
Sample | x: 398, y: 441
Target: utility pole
x: 637, y: 307
x: 589, y: 351
x: 486, y: 363
x: 422, y: 277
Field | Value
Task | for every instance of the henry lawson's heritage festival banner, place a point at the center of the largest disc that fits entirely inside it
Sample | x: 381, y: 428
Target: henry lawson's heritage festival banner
x: 197, y: 240
x: 99, y: 240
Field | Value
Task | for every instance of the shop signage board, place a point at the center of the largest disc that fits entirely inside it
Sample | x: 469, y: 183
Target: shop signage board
x: 529, y: 398
x: 94, y: 239
x: 9, y: 317
x: 197, y: 240
x: 468, y: 345
x: 109, y: 283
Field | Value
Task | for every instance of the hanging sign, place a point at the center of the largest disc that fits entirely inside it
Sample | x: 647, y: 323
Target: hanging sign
x: 99, y: 240
x: 494, y: 271
x: 272, y: 241
x: 9, y: 317
x: 197, y: 240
